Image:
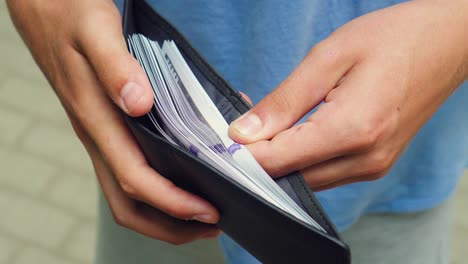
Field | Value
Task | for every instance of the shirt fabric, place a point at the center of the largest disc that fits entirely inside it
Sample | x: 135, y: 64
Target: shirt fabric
x: 257, y: 44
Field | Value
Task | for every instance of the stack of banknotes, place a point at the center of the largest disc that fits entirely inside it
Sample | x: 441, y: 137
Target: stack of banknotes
x: 185, y: 115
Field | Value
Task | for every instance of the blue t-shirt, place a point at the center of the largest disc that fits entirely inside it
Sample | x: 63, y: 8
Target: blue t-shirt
x: 257, y: 44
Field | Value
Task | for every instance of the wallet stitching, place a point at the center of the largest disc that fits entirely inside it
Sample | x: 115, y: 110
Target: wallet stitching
x: 315, y: 206
x: 224, y: 103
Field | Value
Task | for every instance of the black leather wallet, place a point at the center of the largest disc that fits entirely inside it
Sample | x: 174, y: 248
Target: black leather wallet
x: 263, y: 230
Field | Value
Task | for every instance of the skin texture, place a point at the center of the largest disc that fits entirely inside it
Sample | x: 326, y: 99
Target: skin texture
x: 381, y: 77
x: 402, y: 62
x: 80, y: 49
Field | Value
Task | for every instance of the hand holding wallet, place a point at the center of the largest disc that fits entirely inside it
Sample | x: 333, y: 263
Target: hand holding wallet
x: 267, y: 232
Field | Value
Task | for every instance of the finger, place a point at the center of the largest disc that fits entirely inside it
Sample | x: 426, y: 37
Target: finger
x: 304, y: 145
x: 345, y: 124
x: 346, y: 181
x: 246, y: 98
x: 101, y: 40
x: 124, y: 157
x: 369, y: 167
x: 358, y: 167
x: 342, y: 183
x: 144, y: 219
x: 138, y: 216
x: 307, y: 86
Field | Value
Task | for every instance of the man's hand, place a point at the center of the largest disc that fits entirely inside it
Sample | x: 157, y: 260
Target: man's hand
x: 80, y: 48
x: 381, y: 77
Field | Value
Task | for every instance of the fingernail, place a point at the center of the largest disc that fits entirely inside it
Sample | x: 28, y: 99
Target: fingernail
x: 130, y: 94
x: 248, y: 124
x: 205, y: 218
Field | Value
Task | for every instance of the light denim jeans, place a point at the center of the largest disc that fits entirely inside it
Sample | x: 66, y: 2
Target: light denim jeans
x: 410, y: 238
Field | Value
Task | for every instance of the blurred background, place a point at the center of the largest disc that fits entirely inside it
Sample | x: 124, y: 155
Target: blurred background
x: 48, y: 191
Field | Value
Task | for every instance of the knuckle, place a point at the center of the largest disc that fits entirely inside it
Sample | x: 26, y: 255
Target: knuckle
x: 369, y: 131
x: 101, y: 15
x: 376, y: 176
x: 127, y: 186
x: 78, y: 107
x: 380, y: 163
x: 326, y: 52
x: 274, y: 171
x: 366, y: 135
x: 121, y: 218
x: 80, y: 132
x: 178, y: 240
x: 319, y: 51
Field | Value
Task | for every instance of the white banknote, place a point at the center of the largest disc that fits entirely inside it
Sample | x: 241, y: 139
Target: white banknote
x: 186, y: 116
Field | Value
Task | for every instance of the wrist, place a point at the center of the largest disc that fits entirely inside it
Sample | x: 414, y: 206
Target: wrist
x: 458, y: 13
x: 455, y: 17
x: 463, y: 31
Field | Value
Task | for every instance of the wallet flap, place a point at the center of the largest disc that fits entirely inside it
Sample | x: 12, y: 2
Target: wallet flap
x: 266, y: 232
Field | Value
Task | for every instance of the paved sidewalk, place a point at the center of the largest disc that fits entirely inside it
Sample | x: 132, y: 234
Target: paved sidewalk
x: 47, y: 188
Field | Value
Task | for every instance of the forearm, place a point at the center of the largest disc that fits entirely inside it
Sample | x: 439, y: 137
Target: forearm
x: 459, y: 10
x: 454, y: 19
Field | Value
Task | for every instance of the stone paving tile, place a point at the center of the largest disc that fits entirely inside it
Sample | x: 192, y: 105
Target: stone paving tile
x: 15, y: 57
x: 82, y: 243
x: 5, y: 18
x: 17, y: 60
x: 32, y: 220
x: 11, y: 125
x: 57, y: 145
x: 3, y: 8
x: 463, y: 187
x: 2, y: 78
x: 460, y: 230
x: 25, y: 173
x: 7, y: 249
x: 78, y: 193
x: 461, y: 208
x: 31, y: 255
x: 7, y: 31
x: 459, y: 245
x: 32, y: 91
x: 33, y: 97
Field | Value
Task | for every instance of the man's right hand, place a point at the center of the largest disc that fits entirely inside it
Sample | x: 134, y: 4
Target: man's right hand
x: 79, y: 46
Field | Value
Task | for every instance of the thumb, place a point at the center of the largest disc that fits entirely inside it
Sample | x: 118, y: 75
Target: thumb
x: 306, y: 87
x: 103, y: 44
